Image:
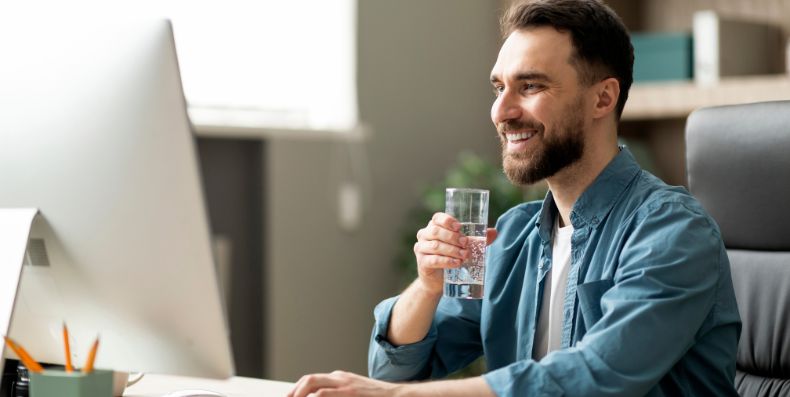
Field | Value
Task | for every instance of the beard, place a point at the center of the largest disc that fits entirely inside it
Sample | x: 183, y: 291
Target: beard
x: 558, y: 150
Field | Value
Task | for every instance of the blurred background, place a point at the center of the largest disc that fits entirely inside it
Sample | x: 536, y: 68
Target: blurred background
x: 326, y: 128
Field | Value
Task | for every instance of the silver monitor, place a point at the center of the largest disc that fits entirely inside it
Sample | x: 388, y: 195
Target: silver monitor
x: 94, y: 133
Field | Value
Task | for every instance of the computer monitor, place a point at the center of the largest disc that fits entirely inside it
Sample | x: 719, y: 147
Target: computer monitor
x: 94, y: 133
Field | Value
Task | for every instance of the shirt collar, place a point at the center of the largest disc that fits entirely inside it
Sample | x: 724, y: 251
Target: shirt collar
x: 599, y: 198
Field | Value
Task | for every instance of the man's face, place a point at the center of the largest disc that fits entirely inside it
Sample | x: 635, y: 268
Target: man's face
x: 539, y: 111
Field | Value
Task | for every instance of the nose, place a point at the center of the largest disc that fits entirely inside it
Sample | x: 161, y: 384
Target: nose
x: 506, y: 107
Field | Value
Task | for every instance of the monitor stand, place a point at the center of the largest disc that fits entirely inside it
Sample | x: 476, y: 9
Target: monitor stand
x: 15, y: 224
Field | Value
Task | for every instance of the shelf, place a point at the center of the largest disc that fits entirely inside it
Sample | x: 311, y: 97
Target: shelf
x: 356, y: 134
x: 654, y: 101
x: 240, y: 123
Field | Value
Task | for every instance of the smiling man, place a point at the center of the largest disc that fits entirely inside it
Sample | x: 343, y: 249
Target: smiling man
x: 614, y: 285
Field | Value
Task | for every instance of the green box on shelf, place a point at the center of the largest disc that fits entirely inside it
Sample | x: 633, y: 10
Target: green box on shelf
x: 52, y: 383
x: 662, y: 56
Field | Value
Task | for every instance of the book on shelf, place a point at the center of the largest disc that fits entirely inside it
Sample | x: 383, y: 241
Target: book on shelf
x: 662, y: 56
x: 727, y: 46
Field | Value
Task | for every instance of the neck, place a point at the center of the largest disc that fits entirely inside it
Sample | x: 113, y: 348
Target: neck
x: 568, y: 184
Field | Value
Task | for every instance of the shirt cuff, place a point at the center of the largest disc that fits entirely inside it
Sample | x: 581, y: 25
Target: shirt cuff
x: 522, y: 378
x: 404, y: 362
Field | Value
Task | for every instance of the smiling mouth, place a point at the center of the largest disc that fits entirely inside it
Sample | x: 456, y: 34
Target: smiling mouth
x: 519, y: 136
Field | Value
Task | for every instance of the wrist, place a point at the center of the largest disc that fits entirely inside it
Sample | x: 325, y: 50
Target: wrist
x: 476, y: 386
x: 428, y: 291
x: 406, y: 390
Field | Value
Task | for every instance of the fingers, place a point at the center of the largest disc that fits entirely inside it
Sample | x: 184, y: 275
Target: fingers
x: 438, y: 261
x: 436, y: 247
x: 440, y: 244
x: 446, y: 221
x: 332, y: 393
x: 491, y: 234
x: 441, y: 233
x: 338, y: 383
x: 310, y: 383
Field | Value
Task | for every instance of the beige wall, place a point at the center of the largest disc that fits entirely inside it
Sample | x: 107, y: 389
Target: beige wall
x: 423, y: 88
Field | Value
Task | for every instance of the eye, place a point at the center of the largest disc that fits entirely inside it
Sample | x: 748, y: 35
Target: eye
x: 533, y: 87
x: 498, y: 89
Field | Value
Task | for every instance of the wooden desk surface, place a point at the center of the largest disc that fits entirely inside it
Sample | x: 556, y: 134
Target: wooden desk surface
x: 158, y: 385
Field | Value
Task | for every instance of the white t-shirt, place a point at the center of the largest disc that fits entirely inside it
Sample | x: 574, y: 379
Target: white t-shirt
x: 548, y: 335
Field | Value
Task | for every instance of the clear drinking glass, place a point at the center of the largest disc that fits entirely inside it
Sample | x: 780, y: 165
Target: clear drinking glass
x: 470, y: 208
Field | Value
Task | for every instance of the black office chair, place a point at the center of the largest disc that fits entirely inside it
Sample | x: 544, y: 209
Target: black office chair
x: 738, y: 161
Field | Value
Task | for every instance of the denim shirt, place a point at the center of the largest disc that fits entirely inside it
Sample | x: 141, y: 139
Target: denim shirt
x: 649, y: 307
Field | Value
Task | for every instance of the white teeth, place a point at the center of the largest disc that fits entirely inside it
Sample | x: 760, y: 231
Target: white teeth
x: 512, y: 137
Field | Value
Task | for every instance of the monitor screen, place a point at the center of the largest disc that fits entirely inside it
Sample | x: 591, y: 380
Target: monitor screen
x: 94, y: 134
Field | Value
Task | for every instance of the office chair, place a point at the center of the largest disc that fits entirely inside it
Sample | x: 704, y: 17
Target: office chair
x: 738, y: 160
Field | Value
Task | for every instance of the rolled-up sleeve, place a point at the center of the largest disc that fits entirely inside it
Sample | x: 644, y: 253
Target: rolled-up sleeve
x: 452, y: 342
x: 396, y: 363
x: 663, y: 290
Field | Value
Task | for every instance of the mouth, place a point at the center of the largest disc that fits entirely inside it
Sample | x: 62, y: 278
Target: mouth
x: 516, y: 137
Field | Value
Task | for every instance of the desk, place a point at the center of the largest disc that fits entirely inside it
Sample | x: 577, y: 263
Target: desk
x: 158, y: 385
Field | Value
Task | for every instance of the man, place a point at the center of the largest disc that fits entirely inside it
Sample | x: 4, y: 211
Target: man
x: 616, y: 284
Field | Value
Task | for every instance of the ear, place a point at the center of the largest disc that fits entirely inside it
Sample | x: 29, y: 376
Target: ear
x: 606, y: 92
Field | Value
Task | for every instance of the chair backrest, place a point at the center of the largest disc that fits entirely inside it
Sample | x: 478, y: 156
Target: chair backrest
x: 738, y: 160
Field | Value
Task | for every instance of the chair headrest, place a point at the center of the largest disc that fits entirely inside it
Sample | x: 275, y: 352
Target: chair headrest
x: 738, y: 160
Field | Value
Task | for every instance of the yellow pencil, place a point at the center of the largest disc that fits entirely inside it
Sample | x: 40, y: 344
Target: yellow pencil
x: 31, y: 364
x: 88, y: 368
x: 69, y: 367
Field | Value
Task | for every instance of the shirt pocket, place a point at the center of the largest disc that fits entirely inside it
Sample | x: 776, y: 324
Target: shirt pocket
x: 590, y: 300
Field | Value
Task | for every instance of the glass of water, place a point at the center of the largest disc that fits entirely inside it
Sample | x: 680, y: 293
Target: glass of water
x: 470, y: 208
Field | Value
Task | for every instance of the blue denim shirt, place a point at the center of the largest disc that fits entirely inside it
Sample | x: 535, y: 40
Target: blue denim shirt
x: 649, y: 307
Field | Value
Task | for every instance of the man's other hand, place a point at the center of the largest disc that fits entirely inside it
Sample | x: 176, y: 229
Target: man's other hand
x: 346, y: 384
x: 339, y: 384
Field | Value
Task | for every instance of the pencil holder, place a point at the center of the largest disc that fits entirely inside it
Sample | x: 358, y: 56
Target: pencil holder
x: 52, y: 383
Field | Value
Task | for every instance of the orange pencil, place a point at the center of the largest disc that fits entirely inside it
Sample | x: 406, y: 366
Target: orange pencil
x: 28, y: 361
x: 88, y: 368
x: 69, y: 367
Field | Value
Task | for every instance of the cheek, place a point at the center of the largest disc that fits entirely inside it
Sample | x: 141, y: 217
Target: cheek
x: 541, y: 111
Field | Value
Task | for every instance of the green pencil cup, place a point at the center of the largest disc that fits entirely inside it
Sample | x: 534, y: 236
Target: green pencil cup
x: 75, y: 384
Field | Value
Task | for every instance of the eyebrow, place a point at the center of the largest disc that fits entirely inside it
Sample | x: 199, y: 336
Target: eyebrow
x: 525, y: 76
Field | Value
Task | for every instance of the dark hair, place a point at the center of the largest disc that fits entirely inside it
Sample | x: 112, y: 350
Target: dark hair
x: 600, y: 40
